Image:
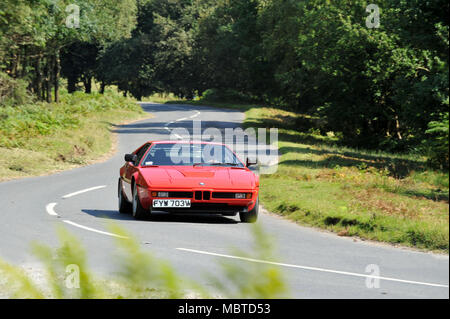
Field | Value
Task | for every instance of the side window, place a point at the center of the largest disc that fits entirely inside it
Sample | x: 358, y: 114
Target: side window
x: 141, y: 152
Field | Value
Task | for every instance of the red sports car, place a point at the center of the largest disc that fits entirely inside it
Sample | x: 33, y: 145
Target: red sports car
x: 193, y: 177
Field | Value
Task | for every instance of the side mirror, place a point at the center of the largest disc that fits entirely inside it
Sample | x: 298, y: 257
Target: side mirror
x: 249, y: 163
x: 131, y: 158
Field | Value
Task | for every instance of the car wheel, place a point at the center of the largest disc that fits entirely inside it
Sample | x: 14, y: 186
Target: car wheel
x: 252, y: 215
x: 138, y: 211
x: 124, y: 205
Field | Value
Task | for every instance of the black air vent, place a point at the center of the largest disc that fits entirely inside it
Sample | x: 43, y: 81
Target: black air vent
x: 180, y: 194
x: 222, y: 195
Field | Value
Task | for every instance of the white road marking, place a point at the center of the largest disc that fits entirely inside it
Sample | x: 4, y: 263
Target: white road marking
x: 83, y: 191
x: 50, y: 209
x: 179, y: 120
x: 316, y: 268
x: 93, y: 230
x: 195, y: 115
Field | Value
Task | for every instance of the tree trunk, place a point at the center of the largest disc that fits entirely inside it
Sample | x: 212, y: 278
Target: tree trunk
x: 15, y: 63
x: 48, y: 94
x: 102, y: 87
x: 57, y: 70
x: 71, y: 83
x: 24, y: 62
x: 48, y: 81
x: 37, y: 87
x: 397, y: 127
x: 87, y: 81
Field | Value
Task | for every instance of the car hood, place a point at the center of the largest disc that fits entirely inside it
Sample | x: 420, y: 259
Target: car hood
x: 191, y: 177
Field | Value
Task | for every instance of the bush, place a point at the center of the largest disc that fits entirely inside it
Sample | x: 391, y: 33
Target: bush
x: 228, y: 95
x: 13, y: 91
x: 19, y: 123
x: 438, y: 144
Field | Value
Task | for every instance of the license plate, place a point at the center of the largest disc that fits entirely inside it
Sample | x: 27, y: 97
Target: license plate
x: 173, y: 203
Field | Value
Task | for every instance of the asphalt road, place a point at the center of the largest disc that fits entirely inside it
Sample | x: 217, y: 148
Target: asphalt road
x: 316, y: 264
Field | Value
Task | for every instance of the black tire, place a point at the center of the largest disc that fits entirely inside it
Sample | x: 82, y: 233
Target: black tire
x: 124, y: 205
x: 252, y: 215
x: 137, y: 210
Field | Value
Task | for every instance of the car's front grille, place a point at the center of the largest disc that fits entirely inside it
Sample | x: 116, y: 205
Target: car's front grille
x: 180, y: 194
x: 202, y: 195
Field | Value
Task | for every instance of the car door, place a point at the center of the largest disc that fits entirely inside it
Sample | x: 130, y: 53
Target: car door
x: 131, y: 168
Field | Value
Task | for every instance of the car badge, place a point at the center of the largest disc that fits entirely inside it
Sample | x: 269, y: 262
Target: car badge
x: 201, y: 183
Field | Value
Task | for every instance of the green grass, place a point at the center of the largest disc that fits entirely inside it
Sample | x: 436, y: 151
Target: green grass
x: 394, y: 198
x: 39, y: 138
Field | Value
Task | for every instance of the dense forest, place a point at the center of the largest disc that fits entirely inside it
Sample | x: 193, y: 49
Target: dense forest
x: 383, y: 87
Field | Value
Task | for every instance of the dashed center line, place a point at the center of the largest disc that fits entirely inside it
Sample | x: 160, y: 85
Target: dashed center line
x: 83, y: 191
x: 50, y: 208
x: 179, y: 120
x: 93, y: 229
x: 315, y: 268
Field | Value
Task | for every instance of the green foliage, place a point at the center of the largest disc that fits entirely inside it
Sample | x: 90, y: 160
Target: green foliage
x: 124, y: 64
x: 160, y: 56
x: 40, y: 138
x: 375, y: 88
x: 229, y: 95
x: 378, y: 87
x: 438, y: 147
x: 33, y: 33
x: 253, y: 279
x: 20, y: 123
x: 138, y: 274
x: 13, y: 91
x: 20, y: 285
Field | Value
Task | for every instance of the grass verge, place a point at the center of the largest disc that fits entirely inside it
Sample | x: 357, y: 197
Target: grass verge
x: 375, y: 195
x: 41, y: 138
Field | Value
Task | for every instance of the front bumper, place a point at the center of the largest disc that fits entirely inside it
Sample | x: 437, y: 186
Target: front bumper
x: 206, y: 203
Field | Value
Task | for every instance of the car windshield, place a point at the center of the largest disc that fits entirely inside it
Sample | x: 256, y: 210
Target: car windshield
x: 184, y: 154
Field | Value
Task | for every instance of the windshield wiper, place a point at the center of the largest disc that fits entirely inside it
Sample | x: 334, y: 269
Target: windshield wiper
x: 197, y: 164
x: 217, y: 164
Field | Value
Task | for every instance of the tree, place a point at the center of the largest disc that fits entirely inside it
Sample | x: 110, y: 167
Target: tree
x: 378, y: 87
x: 33, y: 34
x: 229, y: 41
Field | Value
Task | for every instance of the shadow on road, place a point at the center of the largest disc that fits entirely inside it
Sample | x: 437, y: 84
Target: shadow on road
x: 164, y: 217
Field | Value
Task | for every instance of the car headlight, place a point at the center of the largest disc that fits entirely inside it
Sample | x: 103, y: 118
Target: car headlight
x: 243, y: 195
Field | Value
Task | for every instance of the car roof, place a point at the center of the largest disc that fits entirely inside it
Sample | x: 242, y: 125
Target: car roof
x: 184, y: 142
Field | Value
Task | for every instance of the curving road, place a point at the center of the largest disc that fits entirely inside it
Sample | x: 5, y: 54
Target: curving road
x: 316, y: 264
